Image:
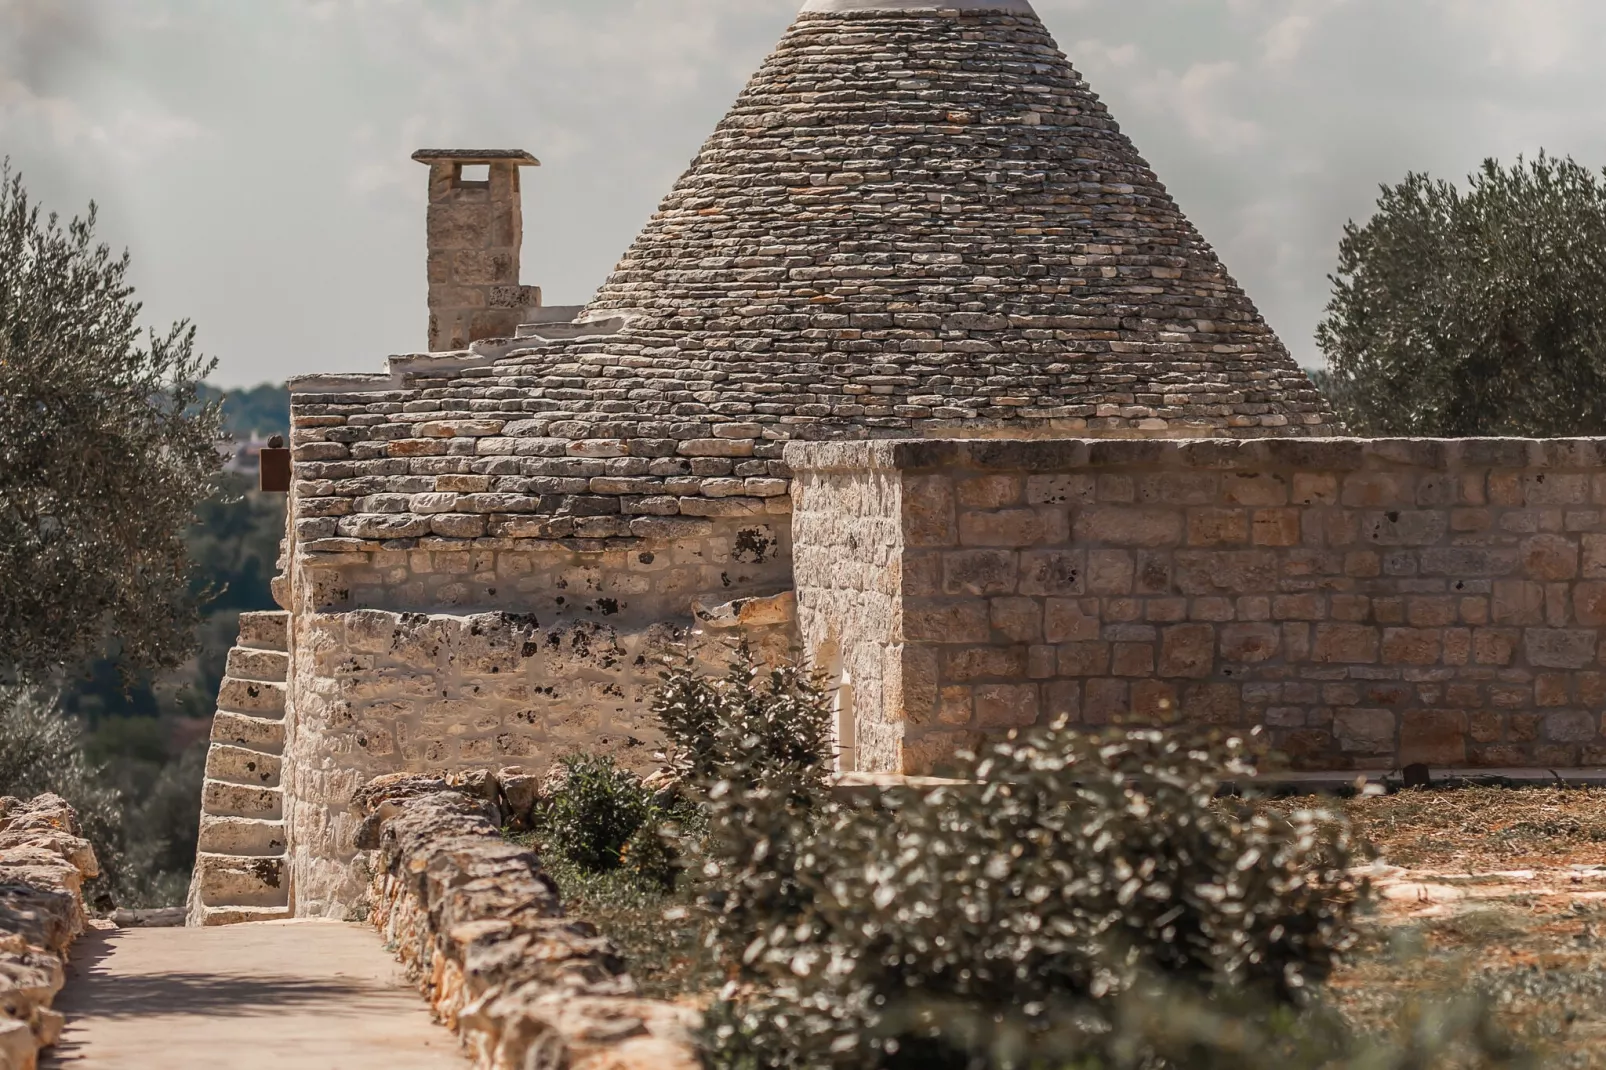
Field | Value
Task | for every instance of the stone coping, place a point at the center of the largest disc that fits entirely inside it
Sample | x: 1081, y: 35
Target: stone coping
x: 1327, y: 454
x: 479, y: 924
x: 398, y: 369
x: 44, y: 861
x: 1318, y: 782
x: 517, y: 156
x: 958, y: 7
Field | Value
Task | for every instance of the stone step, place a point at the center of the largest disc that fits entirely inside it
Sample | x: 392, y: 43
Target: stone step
x: 238, y: 765
x: 236, y: 800
x: 246, y: 663
x: 231, y: 881
x: 240, y: 915
x: 260, y: 697
x: 267, y: 631
x: 242, y: 836
x: 264, y: 734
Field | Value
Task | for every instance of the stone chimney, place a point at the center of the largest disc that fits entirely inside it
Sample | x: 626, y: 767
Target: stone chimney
x: 475, y: 231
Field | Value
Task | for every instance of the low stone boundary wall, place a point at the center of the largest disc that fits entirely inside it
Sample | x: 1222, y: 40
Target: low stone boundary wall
x: 43, y: 863
x: 481, y: 927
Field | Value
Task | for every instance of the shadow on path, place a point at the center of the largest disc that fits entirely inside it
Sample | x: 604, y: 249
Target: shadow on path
x: 265, y: 996
x: 203, y: 993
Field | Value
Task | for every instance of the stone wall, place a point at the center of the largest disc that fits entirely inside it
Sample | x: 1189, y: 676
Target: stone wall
x: 847, y: 566
x: 44, y: 861
x: 631, y: 582
x: 481, y: 928
x: 1371, y: 603
x: 568, y: 665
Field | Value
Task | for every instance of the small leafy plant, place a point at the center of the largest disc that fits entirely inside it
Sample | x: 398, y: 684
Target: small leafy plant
x: 771, y: 723
x: 596, y: 812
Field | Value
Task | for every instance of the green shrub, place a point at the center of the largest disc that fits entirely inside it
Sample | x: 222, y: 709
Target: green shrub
x: 42, y: 750
x: 1043, y: 892
x: 1153, y: 1026
x: 771, y: 721
x: 650, y: 855
x: 1081, y: 902
x: 597, y: 811
x: 754, y: 749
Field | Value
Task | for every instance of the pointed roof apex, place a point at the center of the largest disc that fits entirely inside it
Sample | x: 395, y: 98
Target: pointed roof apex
x: 919, y: 218
x: 967, y: 7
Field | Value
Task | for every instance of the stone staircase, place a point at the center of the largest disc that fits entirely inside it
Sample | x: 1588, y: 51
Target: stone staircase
x: 240, y: 870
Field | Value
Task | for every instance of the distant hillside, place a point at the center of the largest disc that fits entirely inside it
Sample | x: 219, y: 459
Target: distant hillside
x: 261, y: 410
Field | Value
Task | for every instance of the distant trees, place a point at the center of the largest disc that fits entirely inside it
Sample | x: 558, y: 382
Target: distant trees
x: 105, y: 451
x: 259, y: 410
x: 1477, y: 312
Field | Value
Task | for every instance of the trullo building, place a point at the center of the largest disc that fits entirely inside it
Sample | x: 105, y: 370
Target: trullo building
x: 918, y: 370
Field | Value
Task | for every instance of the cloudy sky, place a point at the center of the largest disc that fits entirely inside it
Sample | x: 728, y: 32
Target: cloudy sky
x: 253, y: 154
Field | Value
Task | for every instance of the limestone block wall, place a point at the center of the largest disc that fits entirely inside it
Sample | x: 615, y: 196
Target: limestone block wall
x: 434, y: 660
x: 634, y: 580
x: 849, y: 575
x: 1371, y: 603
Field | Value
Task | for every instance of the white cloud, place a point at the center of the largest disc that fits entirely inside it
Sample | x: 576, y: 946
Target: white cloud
x: 1202, y: 98
x: 129, y: 137
x: 1097, y: 55
x: 1531, y: 36
x: 1286, y: 38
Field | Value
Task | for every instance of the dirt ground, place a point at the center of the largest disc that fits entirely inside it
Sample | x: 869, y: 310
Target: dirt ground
x: 1491, y: 893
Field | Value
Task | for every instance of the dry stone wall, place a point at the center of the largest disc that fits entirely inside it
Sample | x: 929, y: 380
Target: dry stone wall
x: 463, y: 464
x: 914, y: 219
x: 467, y: 610
x: 377, y: 692
x: 1371, y: 603
x: 481, y: 928
x: 44, y: 861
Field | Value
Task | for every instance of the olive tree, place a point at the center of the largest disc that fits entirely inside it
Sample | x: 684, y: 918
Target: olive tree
x: 105, y: 450
x: 1474, y: 312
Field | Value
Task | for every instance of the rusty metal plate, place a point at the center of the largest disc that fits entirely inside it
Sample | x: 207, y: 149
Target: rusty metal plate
x: 275, y: 472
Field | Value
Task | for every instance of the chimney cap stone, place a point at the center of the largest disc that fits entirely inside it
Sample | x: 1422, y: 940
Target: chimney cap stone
x: 1010, y: 7
x: 514, y: 156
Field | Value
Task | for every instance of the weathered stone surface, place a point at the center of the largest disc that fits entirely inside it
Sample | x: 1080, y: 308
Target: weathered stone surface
x: 240, y: 872
x: 44, y: 861
x: 481, y: 928
x: 1392, y: 609
x: 376, y: 692
x: 1074, y: 298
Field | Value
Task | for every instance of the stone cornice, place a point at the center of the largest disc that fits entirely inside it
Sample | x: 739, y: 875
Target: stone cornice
x: 964, y: 7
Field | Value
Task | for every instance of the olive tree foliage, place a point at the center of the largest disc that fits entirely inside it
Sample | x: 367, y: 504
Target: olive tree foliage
x: 105, y: 450
x: 1475, y: 312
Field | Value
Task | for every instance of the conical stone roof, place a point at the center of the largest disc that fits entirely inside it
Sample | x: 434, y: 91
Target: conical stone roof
x: 916, y: 219
x: 913, y: 222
